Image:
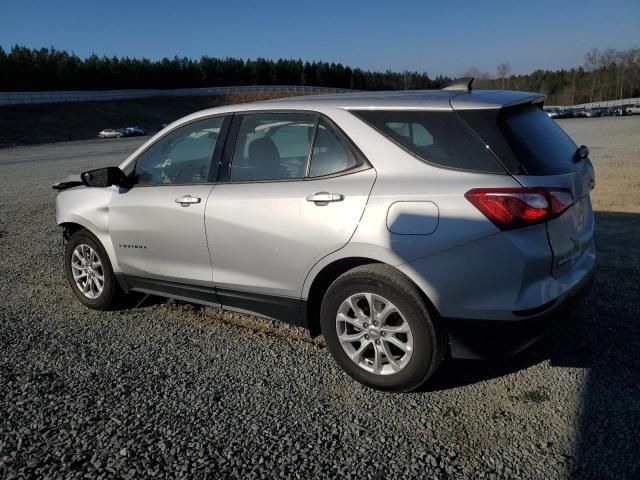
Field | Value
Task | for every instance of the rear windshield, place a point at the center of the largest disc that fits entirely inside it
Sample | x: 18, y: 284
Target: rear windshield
x: 525, y: 139
x: 439, y: 138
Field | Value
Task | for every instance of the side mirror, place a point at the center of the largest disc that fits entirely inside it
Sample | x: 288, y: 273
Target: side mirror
x: 104, y: 177
x: 582, y: 153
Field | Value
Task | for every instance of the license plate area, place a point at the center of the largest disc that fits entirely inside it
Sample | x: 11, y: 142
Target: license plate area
x: 569, y: 236
x: 580, y: 213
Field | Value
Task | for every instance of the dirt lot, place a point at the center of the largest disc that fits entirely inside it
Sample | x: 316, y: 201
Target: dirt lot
x: 614, y: 143
x: 173, y: 390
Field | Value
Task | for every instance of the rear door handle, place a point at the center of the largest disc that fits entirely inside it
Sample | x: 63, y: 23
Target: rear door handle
x: 187, y: 200
x: 323, y: 198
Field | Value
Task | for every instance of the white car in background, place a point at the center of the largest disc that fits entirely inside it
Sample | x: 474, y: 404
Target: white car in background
x: 552, y: 112
x: 110, y: 133
x: 635, y: 110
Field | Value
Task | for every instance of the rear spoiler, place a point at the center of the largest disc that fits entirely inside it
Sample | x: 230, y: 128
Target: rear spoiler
x: 68, y: 182
x: 495, y: 99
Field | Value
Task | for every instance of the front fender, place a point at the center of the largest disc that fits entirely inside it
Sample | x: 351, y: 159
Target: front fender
x: 89, y: 208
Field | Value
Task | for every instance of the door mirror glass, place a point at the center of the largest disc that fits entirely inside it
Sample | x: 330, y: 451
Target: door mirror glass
x: 104, y: 177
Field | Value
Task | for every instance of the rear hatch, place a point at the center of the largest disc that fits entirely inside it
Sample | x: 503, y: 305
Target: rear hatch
x: 539, y: 154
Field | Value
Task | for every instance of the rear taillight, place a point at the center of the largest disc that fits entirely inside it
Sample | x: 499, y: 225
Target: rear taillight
x: 511, y: 208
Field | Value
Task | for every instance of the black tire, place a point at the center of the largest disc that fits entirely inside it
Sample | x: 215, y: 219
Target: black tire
x: 111, y: 295
x: 429, y: 341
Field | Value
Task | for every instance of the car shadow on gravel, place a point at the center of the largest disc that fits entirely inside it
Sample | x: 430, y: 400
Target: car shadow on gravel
x: 601, y: 333
x: 141, y: 301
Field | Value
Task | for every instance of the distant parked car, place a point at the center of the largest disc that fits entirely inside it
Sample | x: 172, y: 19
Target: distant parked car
x: 635, y: 110
x: 552, y: 112
x: 622, y: 111
x: 111, y: 133
x: 592, y: 112
x: 134, y: 131
x: 579, y: 113
x: 606, y: 111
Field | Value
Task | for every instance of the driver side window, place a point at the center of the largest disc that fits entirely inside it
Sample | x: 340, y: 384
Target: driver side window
x: 181, y: 157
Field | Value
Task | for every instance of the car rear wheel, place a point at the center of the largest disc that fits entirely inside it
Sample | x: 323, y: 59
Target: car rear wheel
x: 379, y: 330
x: 89, y: 272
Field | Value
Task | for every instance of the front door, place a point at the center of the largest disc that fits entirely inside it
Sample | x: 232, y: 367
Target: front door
x: 295, y: 191
x: 157, y: 226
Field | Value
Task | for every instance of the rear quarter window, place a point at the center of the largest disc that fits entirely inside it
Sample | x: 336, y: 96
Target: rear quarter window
x: 438, y: 138
x: 525, y: 139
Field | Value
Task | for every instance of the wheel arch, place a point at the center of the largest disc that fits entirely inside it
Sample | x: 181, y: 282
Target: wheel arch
x: 329, y: 273
x: 321, y: 282
x: 69, y: 228
x: 74, y: 224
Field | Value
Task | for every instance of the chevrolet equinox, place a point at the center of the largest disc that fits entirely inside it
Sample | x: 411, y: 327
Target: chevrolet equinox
x: 402, y: 226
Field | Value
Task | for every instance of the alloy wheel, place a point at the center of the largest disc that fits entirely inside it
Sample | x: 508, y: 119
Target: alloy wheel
x: 374, y: 334
x: 87, y: 271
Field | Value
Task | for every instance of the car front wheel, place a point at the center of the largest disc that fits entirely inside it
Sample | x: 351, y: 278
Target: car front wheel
x: 89, y: 272
x: 379, y: 330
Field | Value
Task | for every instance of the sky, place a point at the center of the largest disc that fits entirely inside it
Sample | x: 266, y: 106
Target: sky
x: 435, y: 37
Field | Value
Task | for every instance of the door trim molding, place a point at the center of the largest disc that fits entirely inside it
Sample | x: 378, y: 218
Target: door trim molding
x: 274, y: 307
x: 286, y: 309
x: 201, y: 294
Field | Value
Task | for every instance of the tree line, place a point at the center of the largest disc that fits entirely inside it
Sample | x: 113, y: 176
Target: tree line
x: 605, y: 75
x: 24, y: 69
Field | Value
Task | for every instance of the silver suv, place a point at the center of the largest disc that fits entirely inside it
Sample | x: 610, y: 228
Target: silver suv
x: 403, y: 226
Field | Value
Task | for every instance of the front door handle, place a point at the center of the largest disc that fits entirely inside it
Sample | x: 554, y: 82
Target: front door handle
x: 187, y: 200
x: 323, y: 198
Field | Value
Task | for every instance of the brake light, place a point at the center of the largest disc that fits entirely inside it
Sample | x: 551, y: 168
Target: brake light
x: 511, y: 208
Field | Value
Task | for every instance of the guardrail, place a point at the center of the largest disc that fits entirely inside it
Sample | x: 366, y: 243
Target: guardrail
x: 623, y: 102
x: 25, y: 98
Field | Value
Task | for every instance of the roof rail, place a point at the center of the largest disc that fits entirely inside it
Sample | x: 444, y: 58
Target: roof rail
x: 465, y: 83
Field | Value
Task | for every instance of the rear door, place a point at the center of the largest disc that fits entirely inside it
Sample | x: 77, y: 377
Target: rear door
x: 539, y: 153
x: 294, y: 190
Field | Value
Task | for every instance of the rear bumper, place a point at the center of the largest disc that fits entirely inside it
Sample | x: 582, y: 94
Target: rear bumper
x: 507, y: 276
x: 484, y: 339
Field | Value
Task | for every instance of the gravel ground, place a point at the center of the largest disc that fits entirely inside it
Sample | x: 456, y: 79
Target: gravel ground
x: 173, y: 390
